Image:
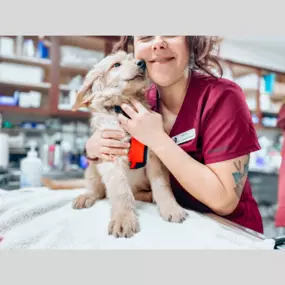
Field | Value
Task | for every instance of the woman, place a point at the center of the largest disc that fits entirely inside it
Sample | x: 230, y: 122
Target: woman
x: 201, y: 128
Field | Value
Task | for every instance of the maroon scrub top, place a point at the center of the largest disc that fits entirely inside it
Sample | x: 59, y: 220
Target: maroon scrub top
x: 217, y: 110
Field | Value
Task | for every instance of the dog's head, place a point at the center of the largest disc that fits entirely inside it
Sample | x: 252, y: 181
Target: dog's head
x: 114, y: 80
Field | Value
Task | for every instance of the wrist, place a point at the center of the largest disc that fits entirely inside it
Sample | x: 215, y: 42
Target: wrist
x: 159, y: 142
x: 93, y: 158
x: 88, y: 154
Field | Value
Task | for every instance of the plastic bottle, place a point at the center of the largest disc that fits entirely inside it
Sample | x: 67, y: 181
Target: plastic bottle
x: 31, y: 168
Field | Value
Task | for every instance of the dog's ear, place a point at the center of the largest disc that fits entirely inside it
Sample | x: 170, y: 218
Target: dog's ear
x: 87, y: 91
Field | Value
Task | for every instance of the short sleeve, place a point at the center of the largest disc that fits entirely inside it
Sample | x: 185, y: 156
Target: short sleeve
x: 227, y: 128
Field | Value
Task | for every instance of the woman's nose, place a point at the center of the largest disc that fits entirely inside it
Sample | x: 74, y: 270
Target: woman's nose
x: 159, y: 43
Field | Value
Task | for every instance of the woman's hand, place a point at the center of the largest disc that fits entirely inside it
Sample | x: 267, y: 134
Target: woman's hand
x: 106, y: 145
x: 143, y: 125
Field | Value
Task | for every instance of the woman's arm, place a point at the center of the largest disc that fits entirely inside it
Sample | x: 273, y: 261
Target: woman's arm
x: 218, y: 185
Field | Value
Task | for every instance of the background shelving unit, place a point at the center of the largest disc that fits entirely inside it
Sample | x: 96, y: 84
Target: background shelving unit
x: 57, y: 75
x: 274, y: 99
x: 55, y: 72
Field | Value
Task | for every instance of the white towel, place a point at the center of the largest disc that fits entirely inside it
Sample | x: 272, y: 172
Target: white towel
x: 44, y: 219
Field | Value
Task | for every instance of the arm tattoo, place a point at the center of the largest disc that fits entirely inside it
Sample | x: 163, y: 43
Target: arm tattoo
x: 239, y: 175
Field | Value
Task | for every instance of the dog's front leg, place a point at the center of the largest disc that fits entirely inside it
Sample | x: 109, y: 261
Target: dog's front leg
x: 124, y: 221
x: 158, y: 175
x: 95, y: 189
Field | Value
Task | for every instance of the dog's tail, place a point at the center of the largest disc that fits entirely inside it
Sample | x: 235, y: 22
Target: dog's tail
x: 64, y: 184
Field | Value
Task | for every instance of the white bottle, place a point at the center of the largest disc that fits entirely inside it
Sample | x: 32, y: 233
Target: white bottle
x: 31, y: 169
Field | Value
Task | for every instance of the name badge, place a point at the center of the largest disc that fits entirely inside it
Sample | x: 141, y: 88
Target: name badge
x: 185, y: 137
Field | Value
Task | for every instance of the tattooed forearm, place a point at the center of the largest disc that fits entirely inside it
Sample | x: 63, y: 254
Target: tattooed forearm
x: 240, y: 175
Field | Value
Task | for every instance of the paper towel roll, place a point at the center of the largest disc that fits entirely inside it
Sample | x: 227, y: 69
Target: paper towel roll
x: 4, y: 150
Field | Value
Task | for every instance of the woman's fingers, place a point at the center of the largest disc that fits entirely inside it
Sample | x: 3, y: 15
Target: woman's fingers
x: 139, y: 106
x: 129, y: 110
x: 114, y: 143
x: 114, y: 151
x: 110, y: 134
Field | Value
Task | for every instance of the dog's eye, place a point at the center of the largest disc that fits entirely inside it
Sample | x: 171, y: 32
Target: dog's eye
x: 117, y: 64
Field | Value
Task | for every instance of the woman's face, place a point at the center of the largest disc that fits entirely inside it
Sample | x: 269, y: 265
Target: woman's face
x: 166, y: 57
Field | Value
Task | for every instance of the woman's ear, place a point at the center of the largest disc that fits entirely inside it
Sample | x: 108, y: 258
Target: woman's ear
x: 92, y: 82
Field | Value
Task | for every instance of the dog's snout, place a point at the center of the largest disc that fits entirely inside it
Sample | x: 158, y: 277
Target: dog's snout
x: 141, y: 64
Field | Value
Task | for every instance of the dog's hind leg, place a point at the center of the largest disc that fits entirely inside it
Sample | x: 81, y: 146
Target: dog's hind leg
x: 95, y: 190
x: 124, y: 221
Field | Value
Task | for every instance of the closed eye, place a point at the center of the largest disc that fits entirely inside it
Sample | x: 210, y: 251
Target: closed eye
x: 145, y: 38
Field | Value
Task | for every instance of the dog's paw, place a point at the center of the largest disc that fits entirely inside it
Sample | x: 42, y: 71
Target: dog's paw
x: 84, y: 201
x: 173, y: 213
x: 124, y: 225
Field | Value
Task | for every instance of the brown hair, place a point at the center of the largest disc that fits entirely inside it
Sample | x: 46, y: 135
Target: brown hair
x: 201, y: 52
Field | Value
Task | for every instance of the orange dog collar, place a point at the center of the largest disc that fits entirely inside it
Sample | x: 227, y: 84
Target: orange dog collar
x: 138, y: 151
x: 137, y: 154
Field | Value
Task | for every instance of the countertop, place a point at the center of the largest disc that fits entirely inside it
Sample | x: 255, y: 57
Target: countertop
x: 11, y: 180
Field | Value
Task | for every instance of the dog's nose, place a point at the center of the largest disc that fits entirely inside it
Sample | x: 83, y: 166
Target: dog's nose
x: 141, y: 64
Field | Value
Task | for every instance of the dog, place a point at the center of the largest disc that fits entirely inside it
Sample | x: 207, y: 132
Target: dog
x: 117, y: 79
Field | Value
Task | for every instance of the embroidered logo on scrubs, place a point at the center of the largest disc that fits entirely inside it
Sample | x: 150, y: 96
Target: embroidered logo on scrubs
x: 185, y: 137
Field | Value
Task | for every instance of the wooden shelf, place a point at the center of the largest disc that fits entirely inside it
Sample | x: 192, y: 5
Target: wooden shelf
x: 71, y: 114
x: 43, y: 86
x: 91, y: 43
x: 66, y: 88
x: 238, y: 69
x: 33, y: 61
x: 250, y: 92
x: 44, y: 112
x: 17, y: 109
x: 73, y: 69
x: 44, y: 63
x: 277, y: 98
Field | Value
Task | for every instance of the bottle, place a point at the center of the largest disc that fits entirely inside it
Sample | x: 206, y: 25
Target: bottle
x: 58, y: 163
x: 31, y: 168
x: 66, y: 156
